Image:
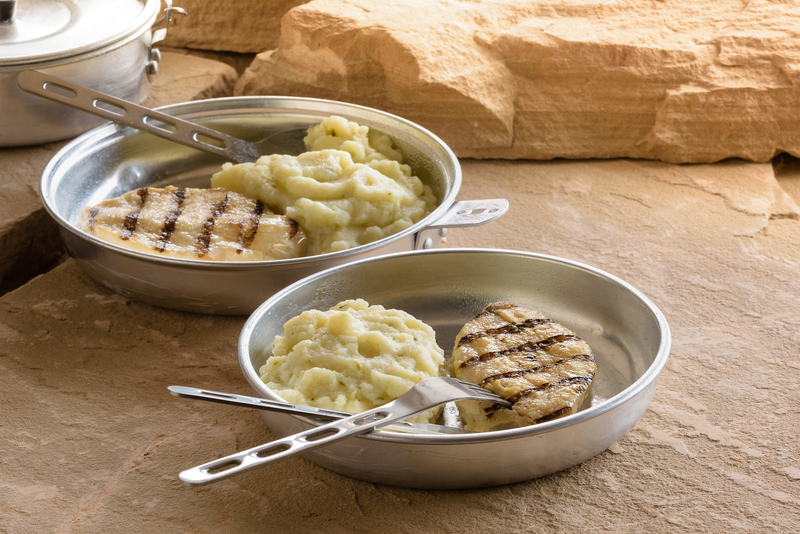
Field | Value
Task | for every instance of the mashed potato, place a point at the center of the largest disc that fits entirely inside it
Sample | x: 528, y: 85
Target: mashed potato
x: 350, y: 189
x: 353, y: 357
x: 362, y: 144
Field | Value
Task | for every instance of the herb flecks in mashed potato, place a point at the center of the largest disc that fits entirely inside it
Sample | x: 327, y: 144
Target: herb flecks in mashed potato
x: 350, y: 189
x: 353, y: 357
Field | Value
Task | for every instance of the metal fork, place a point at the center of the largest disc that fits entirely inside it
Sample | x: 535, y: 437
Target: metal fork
x: 298, y: 409
x: 155, y: 122
x: 427, y: 394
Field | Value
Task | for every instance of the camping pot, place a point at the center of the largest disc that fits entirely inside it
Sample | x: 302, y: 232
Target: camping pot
x: 103, y: 44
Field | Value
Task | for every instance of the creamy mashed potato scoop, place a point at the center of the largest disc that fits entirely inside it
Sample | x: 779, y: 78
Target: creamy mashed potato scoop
x: 353, y: 357
x: 351, y: 188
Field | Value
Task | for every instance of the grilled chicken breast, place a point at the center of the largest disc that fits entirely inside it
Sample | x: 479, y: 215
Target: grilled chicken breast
x: 542, y: 367
x: 208, y: 224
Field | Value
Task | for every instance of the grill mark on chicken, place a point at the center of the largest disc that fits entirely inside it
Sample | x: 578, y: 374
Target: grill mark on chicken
x: 178, y: 196
x: 510, y: 328
x: 249, y: 227
x: 585, y: 381
x: 548, y: 417
x: 553, y: 415
x: 294, y: 227
x: 92, y: 216
x: 541, y: 368
x: 129, y: 224
x: 530, y: 346
x: 204, y: 238
x: 489, y: 310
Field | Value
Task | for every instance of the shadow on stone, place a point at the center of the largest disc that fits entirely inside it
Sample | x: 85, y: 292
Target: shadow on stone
x: 32, y: 247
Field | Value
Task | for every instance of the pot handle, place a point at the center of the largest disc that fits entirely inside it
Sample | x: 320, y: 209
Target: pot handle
x: 462, y: 214
x: 161, y: 33
x: 7, y: 10
x: 154, y: 54
x: 466, y: 213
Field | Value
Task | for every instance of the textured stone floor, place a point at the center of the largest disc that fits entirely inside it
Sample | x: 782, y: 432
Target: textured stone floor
x: 91, y: 442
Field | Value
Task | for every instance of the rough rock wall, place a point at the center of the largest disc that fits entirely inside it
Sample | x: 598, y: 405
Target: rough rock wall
x: 679, y: 81
x: 243, y: 26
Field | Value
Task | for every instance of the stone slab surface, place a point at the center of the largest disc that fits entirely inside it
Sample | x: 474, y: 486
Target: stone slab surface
x: 28, y: 236
x: 677, y: 81
x: 91, y: 442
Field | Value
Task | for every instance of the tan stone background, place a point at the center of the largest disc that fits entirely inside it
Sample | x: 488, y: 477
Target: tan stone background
x: 678, y: 81
x: 91, y: 442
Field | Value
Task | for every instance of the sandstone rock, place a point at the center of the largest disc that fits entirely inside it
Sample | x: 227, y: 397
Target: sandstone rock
x: 28, y: 236
x: 230, y: 26
x: 92, y: 442
x: 695, y: 81
x: 182, y: 78
x: 239, y: 61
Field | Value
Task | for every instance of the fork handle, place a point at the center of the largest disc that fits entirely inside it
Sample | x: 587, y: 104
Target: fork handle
x: 408, y: 404
x: 136, y: 116
x: 255, y: 402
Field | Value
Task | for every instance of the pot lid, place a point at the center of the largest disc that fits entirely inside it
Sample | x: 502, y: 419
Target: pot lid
x: 46, y: 30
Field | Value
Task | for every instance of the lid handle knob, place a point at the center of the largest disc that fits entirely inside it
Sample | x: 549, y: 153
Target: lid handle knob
x: 7, y: 9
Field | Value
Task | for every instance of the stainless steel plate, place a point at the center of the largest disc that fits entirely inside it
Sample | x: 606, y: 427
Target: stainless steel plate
x: 111, y: 160
x: 446, y: 288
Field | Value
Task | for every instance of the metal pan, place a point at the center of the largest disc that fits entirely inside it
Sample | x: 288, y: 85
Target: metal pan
x: 111, y: 160
x: 446, y: 288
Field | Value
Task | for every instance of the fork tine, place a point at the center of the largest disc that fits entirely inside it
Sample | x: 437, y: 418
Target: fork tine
x: 485, y: 393
x: 471, y: 386
x: 474, y: 387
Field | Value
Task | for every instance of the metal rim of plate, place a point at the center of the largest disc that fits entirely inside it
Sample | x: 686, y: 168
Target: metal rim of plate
x: 644, y: 381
